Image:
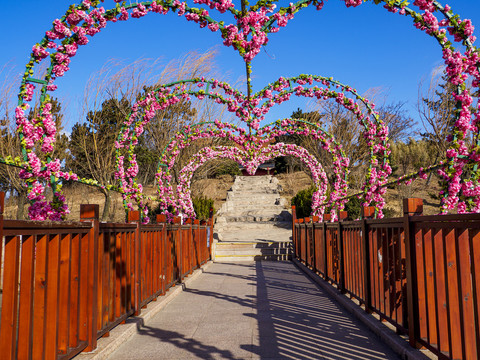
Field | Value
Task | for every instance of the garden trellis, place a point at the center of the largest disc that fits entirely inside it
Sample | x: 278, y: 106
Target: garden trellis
x: 247, y: 35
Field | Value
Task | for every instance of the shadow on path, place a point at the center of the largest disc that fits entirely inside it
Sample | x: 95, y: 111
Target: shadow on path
x: 296, y: 320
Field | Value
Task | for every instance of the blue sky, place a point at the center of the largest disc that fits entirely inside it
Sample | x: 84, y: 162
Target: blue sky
x: 365, y: 47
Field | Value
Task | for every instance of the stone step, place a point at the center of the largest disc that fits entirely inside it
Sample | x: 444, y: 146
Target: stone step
x: 250, y: 258
x: 258, y: 234
x: 251, y: 251
x: 244, y: 246
x: 263, y: 217
x: 246, y: 195
x: 251, y: 210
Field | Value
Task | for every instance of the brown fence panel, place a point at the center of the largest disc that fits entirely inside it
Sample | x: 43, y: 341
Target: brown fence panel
x: 63, y: 285
x: 353, y: 260
x: 430, y: 263
x: 447, y: 264
x: 152, y: 238
x: 42, y: 289
x: 117, y: 265
x: 387, y: 259
x: 333, y: 253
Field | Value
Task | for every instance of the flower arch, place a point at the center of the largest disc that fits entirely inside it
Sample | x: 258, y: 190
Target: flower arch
x: 251, y: 161
x: 247, y: 36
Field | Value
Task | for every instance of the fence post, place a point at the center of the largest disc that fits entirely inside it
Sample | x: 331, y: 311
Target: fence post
x: 341, y: 256
x: 366, y: 265
x: 208, y: 250
x: 294, y: 238
x: 162, y: 219
x: 90, y: 213
x: 412, y: 206
x: 315, y: 220
x: 177, y: 221
x: 9, y: 284
x: 367, y: 212
x: 325, y: 249
x: 134, y: 217
x: 307, y: 242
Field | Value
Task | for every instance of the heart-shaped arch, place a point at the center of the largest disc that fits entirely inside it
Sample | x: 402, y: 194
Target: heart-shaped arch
x: 251, y: 111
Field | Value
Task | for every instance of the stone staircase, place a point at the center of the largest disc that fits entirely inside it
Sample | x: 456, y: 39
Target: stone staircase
x: 254, y: 223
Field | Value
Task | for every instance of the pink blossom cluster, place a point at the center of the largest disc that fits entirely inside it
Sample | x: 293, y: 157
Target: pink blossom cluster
x: 274, y: 93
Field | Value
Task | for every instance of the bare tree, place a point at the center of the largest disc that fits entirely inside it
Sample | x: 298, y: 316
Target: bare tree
x: 436, y: 108
x: 108, y: 98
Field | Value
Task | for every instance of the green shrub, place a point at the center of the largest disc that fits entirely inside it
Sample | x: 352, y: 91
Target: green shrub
x: 226, y: 168
x: 202, y: 206
x: 389, y: 212
x: 354, y: 208
x: 303, y: 202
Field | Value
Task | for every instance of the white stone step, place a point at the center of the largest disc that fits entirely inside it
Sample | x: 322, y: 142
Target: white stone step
x: 251, y: 251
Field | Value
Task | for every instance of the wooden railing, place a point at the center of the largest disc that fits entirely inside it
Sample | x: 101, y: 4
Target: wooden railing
x: 419, y: 273
x: 66, y: 284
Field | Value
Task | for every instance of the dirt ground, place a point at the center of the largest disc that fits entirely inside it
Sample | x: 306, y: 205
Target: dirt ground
x: 217, y: 190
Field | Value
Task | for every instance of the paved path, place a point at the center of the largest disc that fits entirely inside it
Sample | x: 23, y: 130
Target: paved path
x: 261, y: 310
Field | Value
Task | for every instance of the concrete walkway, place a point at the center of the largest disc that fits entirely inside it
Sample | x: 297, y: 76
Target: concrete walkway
x: 260, y: 310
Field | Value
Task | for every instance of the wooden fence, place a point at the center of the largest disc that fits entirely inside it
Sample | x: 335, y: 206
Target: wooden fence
x: 66, y: 284
x: 419, y: 273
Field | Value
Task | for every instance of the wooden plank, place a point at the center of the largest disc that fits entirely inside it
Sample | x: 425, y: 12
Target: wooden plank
x: 421, y: 286
x: 397, y: 276
x: 150, y: 286
x: 118, y: 275
x: 403, y: 313
x: 131, y: 268
x: 123, y: 282
x: 110, y: 311
x: 453, y: 294
x: 27, y: 278
x: 370, y: 237
x: 9, y: 321
x: 64, y: 294
x: 385, y: 271
x: 475, y: 258
x: 40, y: 297
x: 430, y: 288
x: 74, y: 291
x: 92, y: 285
x: 102, y: 237
x: 441, y: 292
x: 52, y: 297
x: 379, y: 280
x: 468, y: 306
x: 83, y: 296
x: 156, y: 261
x: 105, y: 289
x: 360, y: 269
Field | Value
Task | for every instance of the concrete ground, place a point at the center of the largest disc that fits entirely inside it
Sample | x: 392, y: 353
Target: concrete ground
x: 258, y: 310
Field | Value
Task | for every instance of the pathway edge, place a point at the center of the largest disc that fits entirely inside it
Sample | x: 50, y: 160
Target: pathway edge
x: 395, y: 342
